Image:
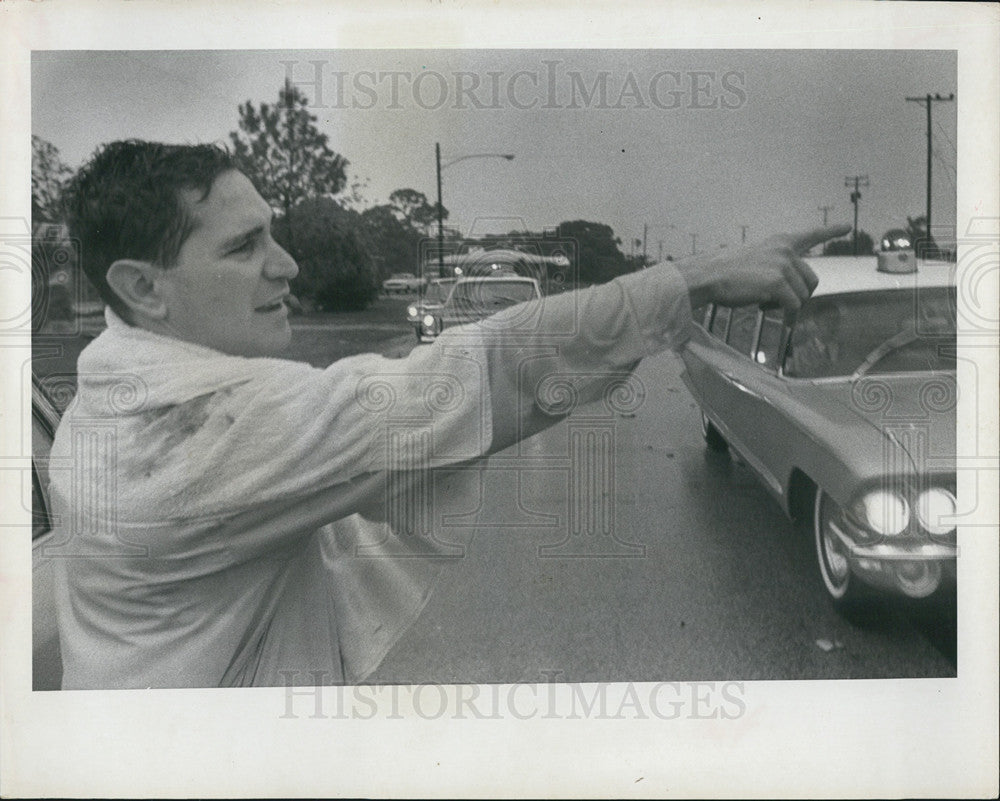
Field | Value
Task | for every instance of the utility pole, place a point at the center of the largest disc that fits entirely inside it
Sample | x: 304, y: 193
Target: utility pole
x: 659, y: 251
x: 440, y: 213
x: 929, y: 99
x: 859, y: 180
x: 645, y: 230
x: 825, y: 210
x: 440, y: 207
x: 743, y: 233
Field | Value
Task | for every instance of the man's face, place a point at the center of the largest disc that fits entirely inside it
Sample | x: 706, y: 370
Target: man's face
x: 226, y: 290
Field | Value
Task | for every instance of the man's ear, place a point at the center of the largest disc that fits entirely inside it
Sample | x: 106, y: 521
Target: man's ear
x: 134, y: 282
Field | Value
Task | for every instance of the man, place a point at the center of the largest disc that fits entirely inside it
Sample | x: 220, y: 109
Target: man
x: 220, y: 520
x: 815, y: 346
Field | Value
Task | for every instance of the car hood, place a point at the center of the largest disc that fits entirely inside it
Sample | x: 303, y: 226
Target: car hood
x: 899, y: 406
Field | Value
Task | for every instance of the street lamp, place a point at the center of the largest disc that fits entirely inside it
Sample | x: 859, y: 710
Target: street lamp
x: 440, y: 205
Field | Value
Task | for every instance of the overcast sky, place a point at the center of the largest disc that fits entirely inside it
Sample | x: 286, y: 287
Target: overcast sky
x: 687, y: 141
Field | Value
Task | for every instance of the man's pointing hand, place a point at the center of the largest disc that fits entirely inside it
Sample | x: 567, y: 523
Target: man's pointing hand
x: 771, y: 273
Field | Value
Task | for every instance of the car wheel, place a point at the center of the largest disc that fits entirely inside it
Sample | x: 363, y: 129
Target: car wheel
x: 851, y: 596
x: 713, y: 439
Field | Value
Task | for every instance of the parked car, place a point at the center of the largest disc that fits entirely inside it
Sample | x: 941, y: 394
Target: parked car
x: 848, y: 419
x: 402, y: 282
x: 46, y: 656
x: 433, y: 299
x: 473, y: 299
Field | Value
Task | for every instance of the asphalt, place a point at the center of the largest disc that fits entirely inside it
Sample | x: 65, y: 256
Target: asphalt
x: 699, y: 578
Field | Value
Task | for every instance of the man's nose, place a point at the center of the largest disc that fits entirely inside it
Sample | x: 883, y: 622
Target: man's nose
x: 279, y: 264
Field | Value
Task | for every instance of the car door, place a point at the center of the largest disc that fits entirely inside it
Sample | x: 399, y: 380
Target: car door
x: 743, y: 385
x: 46, y: 657
x: 764, y: 430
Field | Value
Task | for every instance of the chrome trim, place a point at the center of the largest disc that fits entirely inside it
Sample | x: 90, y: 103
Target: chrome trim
x: 883, y: 551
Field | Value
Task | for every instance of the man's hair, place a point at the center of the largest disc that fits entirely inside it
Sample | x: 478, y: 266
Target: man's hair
x: 126, y: 203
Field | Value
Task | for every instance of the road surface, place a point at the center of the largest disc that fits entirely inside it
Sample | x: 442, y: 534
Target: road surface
x: 699, y: 578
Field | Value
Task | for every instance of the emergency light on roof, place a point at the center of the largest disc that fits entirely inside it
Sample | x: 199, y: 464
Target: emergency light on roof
x: 896, y: 255
x: 897, y: 261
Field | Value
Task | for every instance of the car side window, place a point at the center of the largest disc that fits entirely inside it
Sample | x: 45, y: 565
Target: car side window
x: 742, y: 329
x: 720, y: 322
x: 769, y: 344
x: 700, y: 315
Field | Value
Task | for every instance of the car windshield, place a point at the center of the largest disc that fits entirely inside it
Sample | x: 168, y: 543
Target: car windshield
x: 437, y: 293
x: 886, y: 331
x: 490, y: 296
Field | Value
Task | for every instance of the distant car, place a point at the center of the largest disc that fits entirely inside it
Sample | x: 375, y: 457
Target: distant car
x: 473, y: 299
x: 402, y: 282
x: 434, y: 296
x: 848, y: 419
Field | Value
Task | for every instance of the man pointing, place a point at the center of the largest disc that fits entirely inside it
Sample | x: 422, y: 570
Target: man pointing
x: 223, y: 520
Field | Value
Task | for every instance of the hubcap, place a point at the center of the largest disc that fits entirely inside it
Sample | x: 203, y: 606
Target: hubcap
x: 830, y: 551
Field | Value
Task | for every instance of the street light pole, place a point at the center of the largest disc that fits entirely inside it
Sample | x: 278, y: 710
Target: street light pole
x: 440, y: 204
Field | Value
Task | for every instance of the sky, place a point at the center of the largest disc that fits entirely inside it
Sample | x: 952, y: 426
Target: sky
x: 700, y: 146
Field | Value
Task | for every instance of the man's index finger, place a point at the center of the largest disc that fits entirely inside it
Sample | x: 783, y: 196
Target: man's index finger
x: 803, y: 242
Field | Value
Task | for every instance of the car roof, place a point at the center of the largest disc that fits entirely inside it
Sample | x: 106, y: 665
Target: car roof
x: 839, y: 274
x: 498, y: 256
x: 506, y: 278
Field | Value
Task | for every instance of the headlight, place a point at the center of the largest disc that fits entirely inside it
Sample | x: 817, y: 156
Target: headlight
x: 934, y: 507
x: 411, y: 311
x: 886, y: 512
x: 428, y: 321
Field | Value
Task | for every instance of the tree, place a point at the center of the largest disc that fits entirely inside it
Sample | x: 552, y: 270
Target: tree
x: 599, y: 258
x: 286, y: 156
x: 48, y: 178
x: 414, y: 210
x: 845, y: 247
x: 336, y: 271
x: 393, y: 246
x: 921, y: 239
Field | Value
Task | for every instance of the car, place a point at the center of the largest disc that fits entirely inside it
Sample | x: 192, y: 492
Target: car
x: 402, y: 283
x: 847, y: 417
x: 46, y: 656
x: 433, y: 299
x: 476, y: 298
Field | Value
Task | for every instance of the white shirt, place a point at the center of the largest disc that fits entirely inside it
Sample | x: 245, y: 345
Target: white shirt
x: 209, y: 504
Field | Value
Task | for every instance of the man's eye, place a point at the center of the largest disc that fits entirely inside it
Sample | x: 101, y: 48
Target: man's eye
x: 245, y: 247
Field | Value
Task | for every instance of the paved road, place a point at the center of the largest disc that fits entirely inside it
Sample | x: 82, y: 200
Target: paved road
x: 702, y: 577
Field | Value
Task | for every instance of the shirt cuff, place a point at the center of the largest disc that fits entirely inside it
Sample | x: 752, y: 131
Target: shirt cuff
x: 659, y: 299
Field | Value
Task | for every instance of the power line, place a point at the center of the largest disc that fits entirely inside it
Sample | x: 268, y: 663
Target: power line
x: 949, y: 171
x: 947, y: 138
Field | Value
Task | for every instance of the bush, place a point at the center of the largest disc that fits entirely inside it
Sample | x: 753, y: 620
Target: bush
x: 336, y: 272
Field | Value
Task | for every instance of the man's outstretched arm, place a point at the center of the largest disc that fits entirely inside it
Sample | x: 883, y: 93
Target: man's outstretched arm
x: 581, y: 343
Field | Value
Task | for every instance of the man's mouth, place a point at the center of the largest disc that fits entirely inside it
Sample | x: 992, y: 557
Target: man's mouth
x: 273, y: 306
